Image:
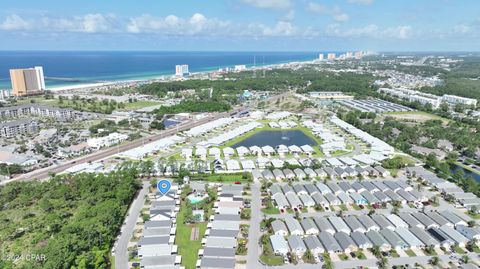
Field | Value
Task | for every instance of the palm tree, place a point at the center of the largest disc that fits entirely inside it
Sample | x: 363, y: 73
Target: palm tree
x: 429, y: 249
x: 308, y: 257
x: 383, y: 263
x: 465, y: 258
x: 376, y: 251
x: 434, y: 260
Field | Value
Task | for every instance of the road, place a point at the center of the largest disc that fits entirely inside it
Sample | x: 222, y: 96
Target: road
x: 121, y: 252
x: 102, y: 154
x: 254, y: 231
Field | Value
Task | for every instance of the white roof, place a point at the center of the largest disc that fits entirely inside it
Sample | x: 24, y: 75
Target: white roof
x: 232, y: 165
x: 207, y: 127
x: 248, y: 164
x: 307, y: 148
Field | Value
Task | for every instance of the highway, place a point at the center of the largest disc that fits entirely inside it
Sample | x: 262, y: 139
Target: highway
x: 104, y: 153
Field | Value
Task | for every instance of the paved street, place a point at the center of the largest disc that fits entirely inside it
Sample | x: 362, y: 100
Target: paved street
x: 254, y: 231
x: 121, y: 254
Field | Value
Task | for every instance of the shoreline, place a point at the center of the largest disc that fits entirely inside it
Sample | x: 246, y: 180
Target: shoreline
x: 165, y: 77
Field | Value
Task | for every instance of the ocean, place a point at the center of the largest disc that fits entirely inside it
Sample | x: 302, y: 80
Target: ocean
x: 64, y: 68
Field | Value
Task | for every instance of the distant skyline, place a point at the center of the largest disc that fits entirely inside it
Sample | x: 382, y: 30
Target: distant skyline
x: 241, y: 25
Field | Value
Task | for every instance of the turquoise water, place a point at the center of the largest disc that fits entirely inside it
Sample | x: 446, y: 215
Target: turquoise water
x: 63, y: 68
x: 194, y: 199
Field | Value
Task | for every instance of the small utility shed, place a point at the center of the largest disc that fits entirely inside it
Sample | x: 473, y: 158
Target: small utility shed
x: 438, y: 218
x: 453, y: 218
x: 395, y: 241
x: 324, y: 225
x: 339, y: 224
x: 409, y: 238
x: 425, y: 237
x: 354, y: 224
x: 329, y: 242
x: 345, y: 242
x: 368, y: 223
x: 279, y: 245
x: 361, y: 240
x: 296, y: 245
x: 378, y: 240
x: 294, y: 226
x: 314, y: 245
x: 279, y: 228
x: 309, y: 227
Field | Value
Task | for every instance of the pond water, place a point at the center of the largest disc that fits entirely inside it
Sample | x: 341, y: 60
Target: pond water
x: 275, y: 138
x: 454, y: 168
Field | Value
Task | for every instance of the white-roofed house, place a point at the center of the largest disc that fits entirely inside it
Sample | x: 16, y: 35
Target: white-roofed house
x: 294, y: 149
x: 233, y: 165
x: 307, y: 149
x: 242, y: 151
x: 268, y: 150
x: 282, y: 149
x: 256, y: 150
x: 228, y: 152
x: 248, y: 165
x: 214, y: 152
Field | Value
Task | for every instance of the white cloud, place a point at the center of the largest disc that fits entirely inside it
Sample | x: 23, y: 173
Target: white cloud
x: 335, y: 12
x: 269, y: 4
x: 360, y: 2
x: 89, y: 23
x: 15, y: 22
x: 371, y: 31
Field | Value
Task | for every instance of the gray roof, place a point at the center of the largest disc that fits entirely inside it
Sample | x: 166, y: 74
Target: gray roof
x: 334, y: 187
x: 380, y: 185
x: 345, y: 186
x: 219, y: 252
x: 425, y: 237
x: 227, y: 217
x: 437, y: 218
x: 296, y: 243
x: 344, y: 198
x: 223, y: 233
x: 393, y: 238
x: 323, y: 224
x: 381, y: 196
x: 331, y: 198
x: 278, y: 225
x: 319, y: 199
x: 311, y: 189
x: 286, y: 189
x: 357, y: 186
x: 439, y: 235
x: 391, y: 185
x: 329, y: 242
x: 308, y: 224
x: 323, y: 188
x: 157, y: 224
x: 453, y: 234
x: 393, y: 195
x: 298, y: 188
x: 313, y: 242
x: 157, y: 261
x: 408, y: 237
x: 157, y: 232
x: 281, y: 200
x: 410, y: 220
x: 293, y: 224
x: 367, y: 222
x: 370, y: 198
x: 344, y: 240
x: 159, y: 240
x: 208, y: 262
x: 452, y: 217
x: 278, y: 242
x: 353, y: 223
x: 339, y: 224
x: 377, y: 239
x: 278, y: 173
x: 275, y: 188
x: 221, y: 242
x: 360, y: 239
x: 407, y: 196
x: 382, y: 222
x: 428, y: 222
x: 368, y: 186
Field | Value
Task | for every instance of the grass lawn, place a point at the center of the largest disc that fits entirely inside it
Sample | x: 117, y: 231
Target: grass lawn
x: 360, y: 255
x: 433, y: 253
x: 222, y: 177
x: 186, y: 247
x: 394, y: 254
x: 271, y: 260
x: 343, y: 207
x: 476, y: 249
x: 459, y: 250
x: 270, y: 210
x: 410, y: 253
x: 473, y: 215
x: 356, y: 207
x: 343, y: 257
x: 140, y: 104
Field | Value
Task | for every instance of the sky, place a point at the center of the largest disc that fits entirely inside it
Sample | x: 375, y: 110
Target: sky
x: 241, y: 25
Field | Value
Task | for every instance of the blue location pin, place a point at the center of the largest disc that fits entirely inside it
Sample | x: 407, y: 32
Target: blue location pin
x: 164, y: 186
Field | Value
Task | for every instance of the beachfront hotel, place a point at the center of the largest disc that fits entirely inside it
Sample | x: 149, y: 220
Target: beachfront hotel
x: 28, y: 81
